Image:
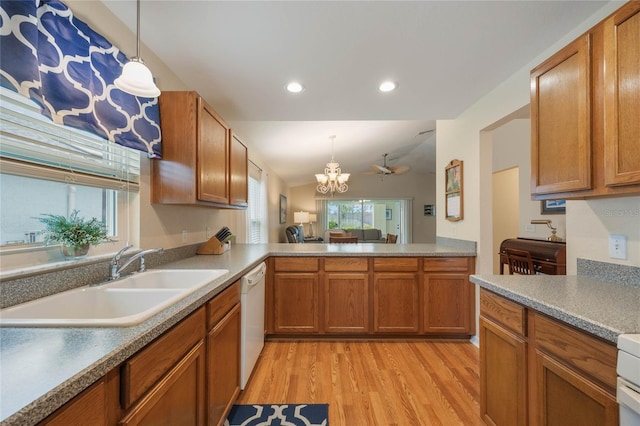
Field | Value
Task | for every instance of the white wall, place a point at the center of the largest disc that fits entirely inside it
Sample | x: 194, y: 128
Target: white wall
x: 419, y: 187
x: 463, y: 138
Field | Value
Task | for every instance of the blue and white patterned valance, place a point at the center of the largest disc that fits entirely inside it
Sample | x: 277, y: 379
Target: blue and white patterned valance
x: 68, y: 69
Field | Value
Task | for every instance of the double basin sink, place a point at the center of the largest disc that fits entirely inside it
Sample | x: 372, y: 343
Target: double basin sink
x: 125, y: 302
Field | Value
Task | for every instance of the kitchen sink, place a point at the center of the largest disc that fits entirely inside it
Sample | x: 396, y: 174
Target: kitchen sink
x: 124, y: 302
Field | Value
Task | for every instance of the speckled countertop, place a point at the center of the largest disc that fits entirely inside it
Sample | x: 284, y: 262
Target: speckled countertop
x: 602, y: 308
x: 42, y: 368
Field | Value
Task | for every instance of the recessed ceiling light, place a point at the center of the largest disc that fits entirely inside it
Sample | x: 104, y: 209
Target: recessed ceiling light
x: 388, y: 86
x: 294, y: 87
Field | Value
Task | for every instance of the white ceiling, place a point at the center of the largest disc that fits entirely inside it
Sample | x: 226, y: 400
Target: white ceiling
x: 444, y: 54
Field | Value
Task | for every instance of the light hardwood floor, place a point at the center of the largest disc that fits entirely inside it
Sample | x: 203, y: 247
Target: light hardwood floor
x: 372, y: 383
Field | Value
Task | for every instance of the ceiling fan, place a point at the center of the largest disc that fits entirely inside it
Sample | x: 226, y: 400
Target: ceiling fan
x: 385, y: 170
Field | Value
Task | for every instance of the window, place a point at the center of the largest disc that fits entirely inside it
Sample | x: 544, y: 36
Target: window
x: 48, y: 168
x: 257, y: 210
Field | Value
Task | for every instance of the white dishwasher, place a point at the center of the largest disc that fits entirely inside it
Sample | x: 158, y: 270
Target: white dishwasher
x: 252, y: 323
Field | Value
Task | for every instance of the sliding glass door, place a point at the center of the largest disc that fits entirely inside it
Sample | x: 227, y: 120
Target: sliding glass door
x: 390, y: 216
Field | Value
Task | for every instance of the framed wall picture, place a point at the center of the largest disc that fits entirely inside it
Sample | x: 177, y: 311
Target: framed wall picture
x: 388, y: 214
x: 283, y: 209
x: 553, y: 206
x: 454, y: 195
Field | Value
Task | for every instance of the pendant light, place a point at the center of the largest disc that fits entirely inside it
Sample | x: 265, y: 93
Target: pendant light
x: 136, y: 79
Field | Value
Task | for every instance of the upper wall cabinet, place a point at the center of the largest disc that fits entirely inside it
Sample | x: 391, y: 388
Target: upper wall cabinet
x: 238, y: 173
x: 196, y: 159
x: 622, y: 96
x: 585, y: 104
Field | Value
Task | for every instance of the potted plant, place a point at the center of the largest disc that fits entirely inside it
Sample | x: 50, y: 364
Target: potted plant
x: 75, y: 234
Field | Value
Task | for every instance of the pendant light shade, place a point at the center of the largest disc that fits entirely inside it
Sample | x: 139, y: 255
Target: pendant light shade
x: 136, y: 79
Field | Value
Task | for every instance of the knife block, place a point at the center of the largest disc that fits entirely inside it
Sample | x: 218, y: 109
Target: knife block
x: 213, y: 246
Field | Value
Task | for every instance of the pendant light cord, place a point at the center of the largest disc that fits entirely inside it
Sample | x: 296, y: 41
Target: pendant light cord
x: 138, y: 31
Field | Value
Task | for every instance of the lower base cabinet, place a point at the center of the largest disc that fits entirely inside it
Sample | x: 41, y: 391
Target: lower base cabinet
x: 178, y: 399
x: 370, y: 297
x: 189, y: 376
x: 539, y: 371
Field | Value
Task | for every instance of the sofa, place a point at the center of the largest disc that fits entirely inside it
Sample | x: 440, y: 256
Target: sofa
x: 364, y: 235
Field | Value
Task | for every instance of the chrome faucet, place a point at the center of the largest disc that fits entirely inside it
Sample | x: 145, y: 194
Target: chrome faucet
x: 115, y: 268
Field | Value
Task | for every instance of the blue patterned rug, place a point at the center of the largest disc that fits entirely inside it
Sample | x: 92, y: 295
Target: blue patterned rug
x: 279, y: 415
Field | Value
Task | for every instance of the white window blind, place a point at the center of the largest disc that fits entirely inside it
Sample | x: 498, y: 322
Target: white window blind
x: 257, y: 210
x: 32, y: 145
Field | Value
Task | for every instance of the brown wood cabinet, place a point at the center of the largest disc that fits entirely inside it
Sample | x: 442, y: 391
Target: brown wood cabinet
x: 178, y: 398
x: 370, y: 296
x: 96, y: 406
x: 448, y: 296
x: 346, y: 296
x: 238, y: 172
x: 503, y: 362
x: 537, y: 370
x: 622, y: 96
x: 561, y: 121
x: 295, y: 295
x: 196, y: 168
x: 223, y: 354
x: 584, y: 107
x: 164, y: 382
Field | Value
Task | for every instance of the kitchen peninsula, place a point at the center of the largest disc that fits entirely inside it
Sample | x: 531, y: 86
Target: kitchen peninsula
x: 43, y: 368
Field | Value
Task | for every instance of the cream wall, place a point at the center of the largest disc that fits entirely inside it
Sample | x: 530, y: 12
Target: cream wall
x: 512, y: 148
x: 468, y: 138
x: 420, y: 187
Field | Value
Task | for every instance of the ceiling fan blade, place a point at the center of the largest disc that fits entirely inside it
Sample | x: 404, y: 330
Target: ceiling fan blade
x: 383, y: 170
x: 398, y: 170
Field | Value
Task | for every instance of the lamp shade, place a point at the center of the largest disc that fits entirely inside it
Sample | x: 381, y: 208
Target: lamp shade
x: 313, y: 218
x: 301, y: 217
x: 137, y: 80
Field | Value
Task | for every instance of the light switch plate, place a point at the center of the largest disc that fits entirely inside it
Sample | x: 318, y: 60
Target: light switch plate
x: 530, y: 228
x: 617, y: 246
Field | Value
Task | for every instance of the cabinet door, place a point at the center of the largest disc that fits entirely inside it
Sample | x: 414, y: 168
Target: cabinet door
x: 565, y: 397
x: 395, y: 302
x: 223, y: 366
x: 446, y: 303
x: 346, y: 302
x: 178, y: 399
x: 503, y: 376
x: 238, y: 169
x: 561, y: 121
x: 87, y: 409
x: 212, y: 156
x: 621, y: 99
x: 295, y: 302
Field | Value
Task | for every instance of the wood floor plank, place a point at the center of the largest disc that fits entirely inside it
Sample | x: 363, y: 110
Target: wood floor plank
x: 372, y: 383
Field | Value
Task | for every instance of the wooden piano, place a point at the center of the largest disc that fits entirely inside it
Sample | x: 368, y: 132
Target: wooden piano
x: 548, y: 257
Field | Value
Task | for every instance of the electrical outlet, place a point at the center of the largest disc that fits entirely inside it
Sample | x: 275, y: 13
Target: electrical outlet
x: 184, y: 235
x: 454, y: 229
x: 207, y: 232
x: 617, y: 246
x: 530, y: 228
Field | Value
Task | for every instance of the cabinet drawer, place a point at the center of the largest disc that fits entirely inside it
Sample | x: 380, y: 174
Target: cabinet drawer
x: 586, y: 353
x: 295, y: 264
x: 218, y: 307
x: 402, y: 264
x: 346, y: 264
x: 145, y: 368
x: 446, y: 264
x: 506, y: 312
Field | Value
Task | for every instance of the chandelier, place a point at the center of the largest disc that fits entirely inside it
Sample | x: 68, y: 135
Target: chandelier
x: 333, y: 180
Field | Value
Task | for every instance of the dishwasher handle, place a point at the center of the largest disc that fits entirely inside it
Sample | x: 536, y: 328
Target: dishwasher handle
x: 254, y: 276
x: 629, y: 397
